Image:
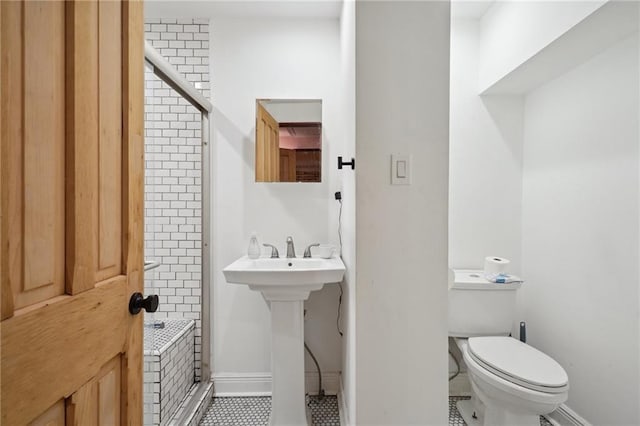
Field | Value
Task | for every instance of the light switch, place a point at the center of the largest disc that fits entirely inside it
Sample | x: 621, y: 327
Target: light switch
x: 400, y: 170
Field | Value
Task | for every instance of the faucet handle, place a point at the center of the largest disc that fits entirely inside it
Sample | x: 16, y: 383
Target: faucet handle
x: 307, y: 252
x: 274, y: 251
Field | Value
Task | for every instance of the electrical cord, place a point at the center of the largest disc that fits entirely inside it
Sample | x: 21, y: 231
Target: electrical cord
x: 340, y: 224
x: 320, y: 390
x: 340, y: 284
x: 339, y: 310
x: 457, y: 366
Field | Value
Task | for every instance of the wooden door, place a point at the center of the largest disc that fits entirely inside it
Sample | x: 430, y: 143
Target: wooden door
x: 287, y: 165
x: 71, y: 213
x: 267, y: 146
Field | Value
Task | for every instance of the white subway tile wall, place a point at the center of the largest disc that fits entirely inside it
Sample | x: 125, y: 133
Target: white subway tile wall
x: 168, y: 370
x: 173, y: 187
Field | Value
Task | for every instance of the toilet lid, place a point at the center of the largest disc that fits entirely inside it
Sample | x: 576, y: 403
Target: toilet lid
x: 519, y: 363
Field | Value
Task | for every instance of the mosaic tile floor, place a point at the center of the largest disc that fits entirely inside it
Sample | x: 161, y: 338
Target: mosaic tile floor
x: 254, y: 411
x: 455, y: 419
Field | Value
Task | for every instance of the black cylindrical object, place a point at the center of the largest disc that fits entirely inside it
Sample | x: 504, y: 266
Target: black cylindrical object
x: 523, y: 332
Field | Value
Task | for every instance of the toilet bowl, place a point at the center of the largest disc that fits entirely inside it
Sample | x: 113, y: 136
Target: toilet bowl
x: 512, y: 383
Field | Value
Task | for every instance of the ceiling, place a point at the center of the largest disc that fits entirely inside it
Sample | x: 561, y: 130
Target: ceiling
x: 327, y: 9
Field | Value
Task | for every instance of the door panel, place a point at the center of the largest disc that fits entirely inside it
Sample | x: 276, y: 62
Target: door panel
x: 43, y: 148
x: 97, y: 402
x: 260, y: 150
x: 274, y: 153
x: 71, y: 174
x: 34, y: 138
x: 287, y: 165
x: 267, y: 146
x: 82, y: 146
x: 54, y: 416
x: 50, y: 351
x: 110, y: 140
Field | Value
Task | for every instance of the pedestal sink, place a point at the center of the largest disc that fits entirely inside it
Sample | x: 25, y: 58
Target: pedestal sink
x: 286, y: 284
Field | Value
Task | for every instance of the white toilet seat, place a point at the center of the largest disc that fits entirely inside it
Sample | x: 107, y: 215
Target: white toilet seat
x: 514, y: 390
x: 518, y: 363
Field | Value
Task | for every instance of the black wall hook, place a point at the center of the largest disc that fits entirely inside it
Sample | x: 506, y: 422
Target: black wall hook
x: 351, y: 163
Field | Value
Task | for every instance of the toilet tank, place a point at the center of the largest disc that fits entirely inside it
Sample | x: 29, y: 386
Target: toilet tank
x: 478, y: 307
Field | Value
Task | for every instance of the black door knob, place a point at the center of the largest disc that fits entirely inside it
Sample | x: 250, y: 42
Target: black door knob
x: 138, y: 302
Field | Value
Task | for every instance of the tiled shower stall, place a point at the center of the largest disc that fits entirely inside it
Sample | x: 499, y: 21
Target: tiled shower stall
x: 173, y: 215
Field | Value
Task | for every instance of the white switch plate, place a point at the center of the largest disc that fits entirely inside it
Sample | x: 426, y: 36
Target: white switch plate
x: 400, y: 169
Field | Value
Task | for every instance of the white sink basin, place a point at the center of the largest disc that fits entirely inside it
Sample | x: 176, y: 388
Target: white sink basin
x: 296, y: 272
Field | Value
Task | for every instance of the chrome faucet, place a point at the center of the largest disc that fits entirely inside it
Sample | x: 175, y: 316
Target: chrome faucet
x: 274, y: 251
x: 291, y: 250
x: 307, y: 252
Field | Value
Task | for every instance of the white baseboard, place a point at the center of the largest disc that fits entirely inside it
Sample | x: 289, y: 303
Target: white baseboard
x: 242, y: 384
x: 565, y: 416
x: 343, y: 410
x: 259, y: 384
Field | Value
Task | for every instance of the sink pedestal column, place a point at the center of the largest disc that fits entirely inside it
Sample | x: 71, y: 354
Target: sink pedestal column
x: 288, y: 406
x: 285, y: 284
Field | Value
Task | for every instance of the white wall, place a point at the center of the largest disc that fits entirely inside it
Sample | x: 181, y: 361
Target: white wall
x: 402, y: 106
x: 347, y: 183
x: 580, y: 231
x: 580, y: 195
x: 269, y: 58
x: 514, y: 31
x: 485, y: 171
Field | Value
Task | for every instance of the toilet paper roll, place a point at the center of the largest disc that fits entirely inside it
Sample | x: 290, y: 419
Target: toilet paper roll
x: 495, y: 265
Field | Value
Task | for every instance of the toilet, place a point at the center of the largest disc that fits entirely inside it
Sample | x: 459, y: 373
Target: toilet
x: 512, y: 383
